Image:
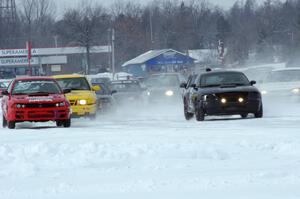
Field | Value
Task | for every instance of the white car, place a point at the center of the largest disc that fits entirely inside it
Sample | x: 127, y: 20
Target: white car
x: 282, y: 84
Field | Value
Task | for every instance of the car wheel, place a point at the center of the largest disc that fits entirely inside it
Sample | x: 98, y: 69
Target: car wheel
x: 259, y: 114
x: 244, y: 115
x: 199, y: 113
x: 4, y: 122
x: 11, y: 124
x: 187, y: 115
x: 67, y: 123
x: 59, y: 123
x: 93, y: 116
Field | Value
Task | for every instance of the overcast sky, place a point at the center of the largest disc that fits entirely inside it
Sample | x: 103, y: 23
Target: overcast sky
x: 63, y: 4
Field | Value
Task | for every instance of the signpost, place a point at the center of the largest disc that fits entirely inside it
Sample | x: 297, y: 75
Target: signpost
x: 28, y: 47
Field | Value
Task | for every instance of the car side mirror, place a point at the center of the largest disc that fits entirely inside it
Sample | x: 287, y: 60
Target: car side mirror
x: 252, y: 82
x: 183, y: 85
x: 67, y: 90
x: 113, y: 92
x: 96, y: 88
x: 5, y: 93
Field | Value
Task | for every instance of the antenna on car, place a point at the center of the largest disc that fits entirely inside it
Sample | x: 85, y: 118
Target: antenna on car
x: 208, y: 69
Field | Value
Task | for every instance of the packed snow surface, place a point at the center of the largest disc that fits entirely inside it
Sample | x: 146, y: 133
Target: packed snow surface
x: 153, y: 152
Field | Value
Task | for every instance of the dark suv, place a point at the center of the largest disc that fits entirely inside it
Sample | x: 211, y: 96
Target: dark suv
x: 221, y: 93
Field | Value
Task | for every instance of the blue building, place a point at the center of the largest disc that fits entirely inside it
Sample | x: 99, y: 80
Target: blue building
x: 154, y: 61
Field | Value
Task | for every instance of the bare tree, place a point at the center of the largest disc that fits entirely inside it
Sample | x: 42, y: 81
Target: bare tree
x: 84, y: 26
x: 37, y: 18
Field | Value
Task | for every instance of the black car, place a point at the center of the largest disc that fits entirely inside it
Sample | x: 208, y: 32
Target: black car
x: 164, y: 87
x: 105, y: 98
x: 221, y: 93
x: 128, y: 91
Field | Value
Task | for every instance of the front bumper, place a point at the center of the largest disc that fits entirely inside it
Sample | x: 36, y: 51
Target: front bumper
x: 38, y: 114
x: 231, y: 108
x: 83, y: 110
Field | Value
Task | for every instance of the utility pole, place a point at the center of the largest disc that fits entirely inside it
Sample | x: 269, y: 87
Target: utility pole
x: 113, y: 51
x: 151, y: 27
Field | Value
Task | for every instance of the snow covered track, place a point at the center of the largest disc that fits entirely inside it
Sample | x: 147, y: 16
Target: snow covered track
x: 154, y: 153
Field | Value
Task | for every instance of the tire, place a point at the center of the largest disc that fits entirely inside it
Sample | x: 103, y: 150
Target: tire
x: 187, y: 115
x: 260, y: 112
x: 93, y: 116
x: 199, y: 113
x: 11, y: 124
x: 59, y: 123
x: 244, y: 115
x: 4, y: 122
x: 67, y: 123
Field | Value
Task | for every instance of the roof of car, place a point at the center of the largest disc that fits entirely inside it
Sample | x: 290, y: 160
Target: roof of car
x: 67, y: 76
x: 157, y: 74
x: 287, y: 69
x: 34, y: 78
x: 221, y: 71
x: 124, y: 81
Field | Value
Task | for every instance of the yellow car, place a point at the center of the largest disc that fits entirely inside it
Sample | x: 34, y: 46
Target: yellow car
x: 82, y: 97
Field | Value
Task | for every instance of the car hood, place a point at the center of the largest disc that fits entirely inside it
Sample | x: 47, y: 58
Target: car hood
x: 229, y: 89
x: 52, y: 98
x: 278, y: 86
x: 82, y: 94
x: 163, y: 89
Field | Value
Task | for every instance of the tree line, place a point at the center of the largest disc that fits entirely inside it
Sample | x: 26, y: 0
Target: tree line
x: 261, y: 32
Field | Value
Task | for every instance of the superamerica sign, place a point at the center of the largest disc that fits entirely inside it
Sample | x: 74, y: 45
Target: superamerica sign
x: 18, y: 61
x: 16, y: 52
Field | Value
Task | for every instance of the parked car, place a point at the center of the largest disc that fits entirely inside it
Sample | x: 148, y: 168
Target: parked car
x: 221, y: 93
x: 128, y: 91
x: 3, y: 87
x: 282, y: 84
x: 35, y: 99
x: 164, y: 87
x: 82, y: 97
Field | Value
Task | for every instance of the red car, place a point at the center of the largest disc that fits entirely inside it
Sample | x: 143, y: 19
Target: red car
x: 35, y: 99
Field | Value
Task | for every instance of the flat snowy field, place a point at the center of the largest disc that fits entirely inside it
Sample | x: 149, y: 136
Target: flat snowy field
x: 154, y: 153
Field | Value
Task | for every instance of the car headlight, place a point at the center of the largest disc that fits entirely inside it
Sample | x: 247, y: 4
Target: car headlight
x: 20, y: 105
x: 296, y: 91
x: 61, y: 104
x: 148, y: 93
x: 169, y: 93
x: 223, y: 100
x: 82, y: 102
x: 264, y: 92
x: 241, y: 100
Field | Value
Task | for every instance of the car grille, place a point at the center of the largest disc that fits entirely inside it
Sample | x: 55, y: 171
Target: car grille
x: 40, y: 105
x: 37, y: 115
x: 73, y: 102
x: 232, y: 96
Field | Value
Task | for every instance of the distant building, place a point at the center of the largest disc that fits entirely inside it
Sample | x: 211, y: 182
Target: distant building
x: 154, y: 61
x: 49, y: 61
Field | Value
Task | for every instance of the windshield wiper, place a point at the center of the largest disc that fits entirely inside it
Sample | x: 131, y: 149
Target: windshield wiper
x: 38, y: 93
x: 211, y: 85
x: 77, y: 89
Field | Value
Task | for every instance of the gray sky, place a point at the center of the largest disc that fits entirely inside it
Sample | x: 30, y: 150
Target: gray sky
x: 63, y: 4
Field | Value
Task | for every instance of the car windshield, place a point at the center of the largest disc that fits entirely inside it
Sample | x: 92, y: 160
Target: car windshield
x: 35, y: 87
x: 163, y: 81
x: 2, y: 85
x: 78, y: 83
x: 223, y: 79
x: 284, y: 76
x: 104, y: 88
x: 126, y: 87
